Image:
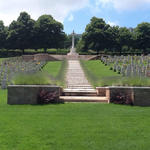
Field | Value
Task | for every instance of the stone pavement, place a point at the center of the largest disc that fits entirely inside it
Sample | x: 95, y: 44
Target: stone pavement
x: 75, y: 76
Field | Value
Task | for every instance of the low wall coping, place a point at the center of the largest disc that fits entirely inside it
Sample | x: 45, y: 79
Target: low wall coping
x: 124, y: 87
x: 33, y: 86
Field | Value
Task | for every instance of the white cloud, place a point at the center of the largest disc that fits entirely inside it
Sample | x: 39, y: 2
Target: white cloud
x: 59, y: 9
x: 112, y: 23
x: 71, y: 17
x: 121, y: 5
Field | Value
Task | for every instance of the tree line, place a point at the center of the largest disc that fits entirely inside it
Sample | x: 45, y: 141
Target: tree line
x: 46, y: 32
x: 26, y: 33
x: 101, y: 37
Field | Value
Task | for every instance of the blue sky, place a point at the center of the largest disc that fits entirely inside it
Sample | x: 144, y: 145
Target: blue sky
x: 128, y: 17
x: 76, y: 14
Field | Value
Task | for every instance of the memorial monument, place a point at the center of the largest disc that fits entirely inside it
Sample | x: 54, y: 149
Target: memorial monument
x: 73, y: 50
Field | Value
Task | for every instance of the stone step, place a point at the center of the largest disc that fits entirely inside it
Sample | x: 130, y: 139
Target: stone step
x: 79, y: 92
x: 79, y: 87
x: 83, y: 99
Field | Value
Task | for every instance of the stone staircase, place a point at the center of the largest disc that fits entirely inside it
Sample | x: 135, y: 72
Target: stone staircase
x: 78, y: 88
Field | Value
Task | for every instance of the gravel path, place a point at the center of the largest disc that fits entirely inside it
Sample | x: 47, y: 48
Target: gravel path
x: 75, y: 76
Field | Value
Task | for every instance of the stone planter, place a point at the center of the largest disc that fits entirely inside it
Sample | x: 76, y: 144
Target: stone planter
x: 139, y: 96
x: 28, y: 94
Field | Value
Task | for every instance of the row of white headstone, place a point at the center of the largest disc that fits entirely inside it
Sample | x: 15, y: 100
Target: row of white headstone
x: 129, y: 65
x: 10, y: 67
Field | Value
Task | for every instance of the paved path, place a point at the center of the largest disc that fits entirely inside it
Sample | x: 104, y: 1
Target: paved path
x: 75, y: 76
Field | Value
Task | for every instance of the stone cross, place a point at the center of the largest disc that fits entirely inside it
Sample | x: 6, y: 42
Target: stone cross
x: 73, y: 34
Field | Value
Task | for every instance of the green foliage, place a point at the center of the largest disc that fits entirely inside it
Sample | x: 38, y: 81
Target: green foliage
x: 26, y: 33
x: 21, y: 32
x: 92, y: 127
x: 17, y: 52
x: 49, y: 32
x: 143, y: 36
x: 94, y: 35
x: 39, y: 78
x: 3, y: 35
x: 103, y: 38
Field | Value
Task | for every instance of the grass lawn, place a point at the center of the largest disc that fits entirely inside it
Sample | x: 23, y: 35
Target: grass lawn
x: 53, y: 67
x: 73, y: 126
x: 96, y: 72
x: 99, y: 69
x: 57, y: 70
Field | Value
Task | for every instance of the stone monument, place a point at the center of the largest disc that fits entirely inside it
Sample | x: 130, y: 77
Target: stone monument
x: 73, y: 50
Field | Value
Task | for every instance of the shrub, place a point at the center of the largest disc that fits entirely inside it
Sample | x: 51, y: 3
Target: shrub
x: 122, y: 97
x: 46, y: 97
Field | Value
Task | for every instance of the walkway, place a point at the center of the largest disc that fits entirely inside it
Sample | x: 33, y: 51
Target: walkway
x: 75, y: 77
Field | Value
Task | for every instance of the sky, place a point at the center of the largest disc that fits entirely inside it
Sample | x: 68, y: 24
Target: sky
x: 76, y: 14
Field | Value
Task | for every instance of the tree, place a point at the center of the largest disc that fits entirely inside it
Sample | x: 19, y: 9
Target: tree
x: 143, y: 36
x: 125, y: 38
x: 3, y: 35
x: 21, y: 32
x: 49, y: 33
x: 94, y: 36
x: 112, y: 38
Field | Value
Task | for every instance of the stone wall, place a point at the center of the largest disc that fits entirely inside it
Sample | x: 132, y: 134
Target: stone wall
x: 142, y: 96
x: 101, y: 91
x: 58, y: 57
x: 28, y: 57
x: 28, y: 94
x: 47, y: 57
x: 89, y: 57
x: 139, y: 96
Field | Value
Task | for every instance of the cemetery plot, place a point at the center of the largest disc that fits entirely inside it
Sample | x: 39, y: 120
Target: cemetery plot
x: 129, y: 66
x: 13, y: 66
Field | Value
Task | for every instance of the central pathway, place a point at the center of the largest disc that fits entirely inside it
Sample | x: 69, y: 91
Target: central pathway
x: 78, y: 88
x: 75, y: 77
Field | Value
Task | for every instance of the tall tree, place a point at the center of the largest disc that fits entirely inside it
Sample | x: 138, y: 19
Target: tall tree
x: 94, y: 36
x: 49, y: 32
x: 125, y: 38
x: 143, y: 36
x: 21, y: 32
x: 3, y: 35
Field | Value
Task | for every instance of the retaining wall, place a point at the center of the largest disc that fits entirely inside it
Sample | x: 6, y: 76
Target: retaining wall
x: 28, y: 94
x: 139, y: 96
x: 47, y: 57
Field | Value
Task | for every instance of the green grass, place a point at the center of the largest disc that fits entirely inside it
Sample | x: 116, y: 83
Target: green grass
x: 57, y: 70
x: 39, y: 78
x: 53, y: 67
x: 73, y: 126
x: 97, y: 72
x: 101, y: 75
